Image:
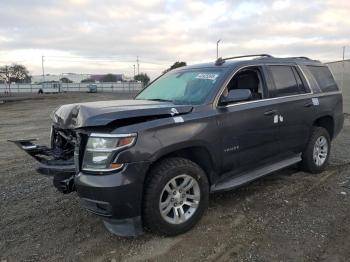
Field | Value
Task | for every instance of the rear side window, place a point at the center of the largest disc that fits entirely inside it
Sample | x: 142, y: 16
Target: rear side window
x: 287, y: 81
x: 323, y: 78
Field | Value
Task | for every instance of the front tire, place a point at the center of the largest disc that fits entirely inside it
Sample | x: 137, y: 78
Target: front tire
x: 316, y: 154
x: 176, y: 196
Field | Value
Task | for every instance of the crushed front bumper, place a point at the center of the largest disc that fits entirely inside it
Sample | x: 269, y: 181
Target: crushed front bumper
x: 117, y: 197
x: 63, y: 171
x: 47, y: 162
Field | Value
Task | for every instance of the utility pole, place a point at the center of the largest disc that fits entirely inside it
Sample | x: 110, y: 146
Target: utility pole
x: 343, y: 64
x: 42, y: 65
x: 134, y: 71
x: 217, y: 48
x: 138, y: 65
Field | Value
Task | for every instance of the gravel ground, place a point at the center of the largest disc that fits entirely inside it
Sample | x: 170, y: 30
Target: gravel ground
x: 287, y: 216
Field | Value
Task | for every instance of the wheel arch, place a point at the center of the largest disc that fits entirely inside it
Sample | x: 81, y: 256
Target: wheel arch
x: 198, y: 154
x: 327, y: 122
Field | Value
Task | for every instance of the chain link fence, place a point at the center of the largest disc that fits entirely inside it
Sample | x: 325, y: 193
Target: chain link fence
x: 21, y: 89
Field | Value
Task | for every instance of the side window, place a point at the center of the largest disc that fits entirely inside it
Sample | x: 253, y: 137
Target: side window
x: 248, y: 78
x: 287, y: 81
x: 323, y: 78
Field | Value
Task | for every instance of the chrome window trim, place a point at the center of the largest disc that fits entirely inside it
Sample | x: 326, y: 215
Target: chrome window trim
x: 216, y: 100
x: 327, y: 93
x: 307, y: 80
x: 282, y: 97
x: 102, y: 135
x: 266, y: 99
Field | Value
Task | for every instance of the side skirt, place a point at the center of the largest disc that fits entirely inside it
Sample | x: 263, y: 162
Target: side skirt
x: 233, y: 182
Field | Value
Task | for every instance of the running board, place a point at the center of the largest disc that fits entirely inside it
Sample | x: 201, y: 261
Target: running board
x: 247, y: 177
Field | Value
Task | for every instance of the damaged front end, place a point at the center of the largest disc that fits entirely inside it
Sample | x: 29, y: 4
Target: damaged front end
x: 57, y: 161
x: 86, y: 142
x: 68, y: 138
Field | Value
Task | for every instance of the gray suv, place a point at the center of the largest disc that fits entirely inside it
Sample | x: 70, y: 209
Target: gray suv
x: 151, y: 162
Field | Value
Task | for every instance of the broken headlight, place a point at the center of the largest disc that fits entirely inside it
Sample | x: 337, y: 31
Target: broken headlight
x: 101, y: 149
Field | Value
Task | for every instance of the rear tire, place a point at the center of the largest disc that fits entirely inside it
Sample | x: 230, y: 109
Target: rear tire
x: 316, y: 154
x: 176, y: 196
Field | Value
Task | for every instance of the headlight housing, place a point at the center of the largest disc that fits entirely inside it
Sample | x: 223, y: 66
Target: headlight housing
x: 101, y: 149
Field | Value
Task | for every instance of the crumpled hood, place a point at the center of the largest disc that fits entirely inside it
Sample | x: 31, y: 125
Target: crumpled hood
x: 104, y: 112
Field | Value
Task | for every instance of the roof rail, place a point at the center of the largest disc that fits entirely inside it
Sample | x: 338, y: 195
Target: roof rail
x: 221, y: 60
x: 299, y: 57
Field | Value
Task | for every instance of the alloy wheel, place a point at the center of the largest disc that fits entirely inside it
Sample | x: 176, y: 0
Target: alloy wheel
x: 179, y: 199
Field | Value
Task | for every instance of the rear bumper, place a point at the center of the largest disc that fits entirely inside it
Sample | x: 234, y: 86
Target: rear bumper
x: 113, y: 196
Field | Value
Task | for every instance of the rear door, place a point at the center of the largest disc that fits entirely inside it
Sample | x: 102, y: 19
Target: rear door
x: 290, y: 89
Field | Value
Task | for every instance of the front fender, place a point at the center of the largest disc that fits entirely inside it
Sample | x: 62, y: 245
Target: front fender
x: 154, y: 143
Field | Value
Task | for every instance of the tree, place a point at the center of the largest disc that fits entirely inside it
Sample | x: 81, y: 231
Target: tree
x: 14, y: 73
x: 66, y: 80
x: 175, y: 65
x: 109, y: 78
x: 20, y: 74
x: 87, y: 80
x: 143, y: 77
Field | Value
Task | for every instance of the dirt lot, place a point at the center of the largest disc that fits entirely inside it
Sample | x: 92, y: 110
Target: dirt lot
x: 288, y: 216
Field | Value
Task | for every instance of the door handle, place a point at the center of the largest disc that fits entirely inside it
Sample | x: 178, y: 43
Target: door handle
x: 309, y: 104
x: 270, y: 113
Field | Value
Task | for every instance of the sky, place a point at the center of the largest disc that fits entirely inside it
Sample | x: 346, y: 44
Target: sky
x: 106, y: 36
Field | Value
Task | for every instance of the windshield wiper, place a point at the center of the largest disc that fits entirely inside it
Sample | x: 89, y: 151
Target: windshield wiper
x: 160, y: 100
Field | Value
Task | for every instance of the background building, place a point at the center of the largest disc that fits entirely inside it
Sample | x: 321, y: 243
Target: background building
x: 341, y: 72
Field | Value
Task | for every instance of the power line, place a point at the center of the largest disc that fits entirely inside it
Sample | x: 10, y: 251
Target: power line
x: 110, y: 57
x: 82, y: 59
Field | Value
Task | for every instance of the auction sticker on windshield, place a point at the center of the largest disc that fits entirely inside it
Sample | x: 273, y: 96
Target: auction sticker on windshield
x: 207, y: 76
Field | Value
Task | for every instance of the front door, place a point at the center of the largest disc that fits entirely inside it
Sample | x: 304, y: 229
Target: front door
x: 248, y: 128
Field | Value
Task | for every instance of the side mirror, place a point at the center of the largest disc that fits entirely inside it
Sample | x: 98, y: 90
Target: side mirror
x: 236, y: 95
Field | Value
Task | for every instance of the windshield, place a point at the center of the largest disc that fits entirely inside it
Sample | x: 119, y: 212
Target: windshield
x: 183, y: 87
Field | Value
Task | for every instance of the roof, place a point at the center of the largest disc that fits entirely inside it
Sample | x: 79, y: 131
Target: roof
x: 249, y: 60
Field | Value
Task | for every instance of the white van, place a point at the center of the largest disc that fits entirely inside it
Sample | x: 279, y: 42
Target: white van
x: 50, y: 88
